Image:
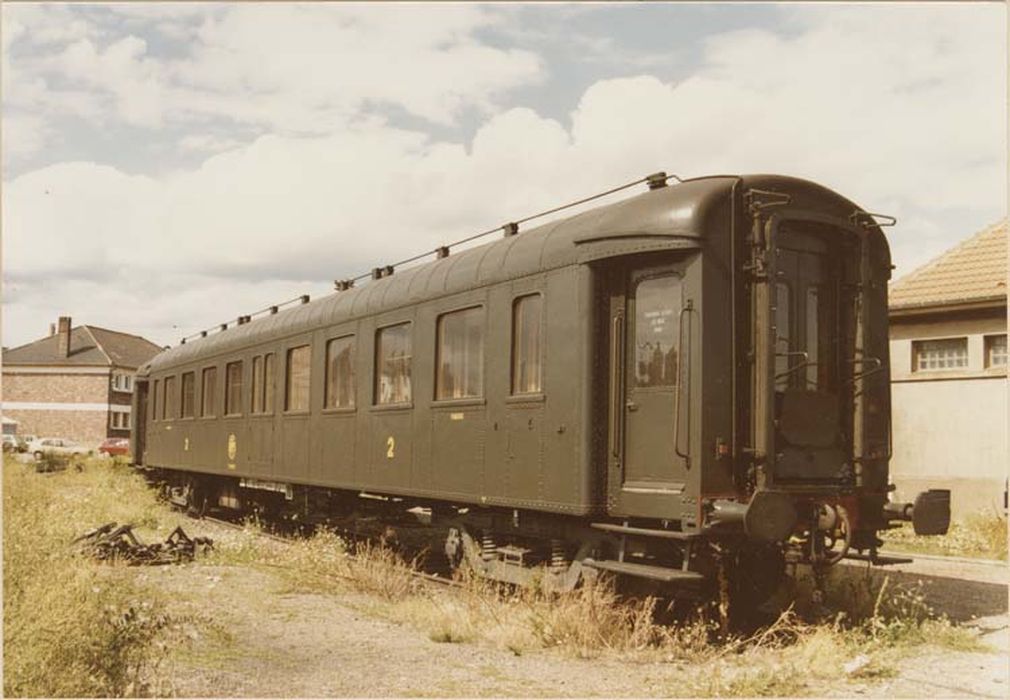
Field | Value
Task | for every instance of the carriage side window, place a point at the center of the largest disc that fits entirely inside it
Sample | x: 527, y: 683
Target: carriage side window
x: 392, y: 364
x: 154, y: 400
x: 460, y: 355
x: 168, y: 399
x: 995, y: 350
x: 783, y: 336
x: 233, y: 388
x: 296, y: 386
x: 657, y: 333
x: 268, y: 383
x: 188, y: 390
x: 256, y: 387
x: 527, y: 344
x: 208, y: 386
x: 340, y: 373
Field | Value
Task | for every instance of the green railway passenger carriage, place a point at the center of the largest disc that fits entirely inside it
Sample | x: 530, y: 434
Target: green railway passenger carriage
x: 692, y: 378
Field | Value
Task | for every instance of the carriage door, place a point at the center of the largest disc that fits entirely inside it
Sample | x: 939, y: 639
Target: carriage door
x: 808, y: 417
x: 646, y: 472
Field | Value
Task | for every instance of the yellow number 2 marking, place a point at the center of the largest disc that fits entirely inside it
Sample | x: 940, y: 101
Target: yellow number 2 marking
x: 390, y: 447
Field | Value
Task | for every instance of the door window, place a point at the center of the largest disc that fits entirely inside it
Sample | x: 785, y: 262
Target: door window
x: 657, y: 303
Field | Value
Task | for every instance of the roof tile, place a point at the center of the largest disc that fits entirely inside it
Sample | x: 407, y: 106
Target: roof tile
x: 89, y: 346
x: 974, y: 270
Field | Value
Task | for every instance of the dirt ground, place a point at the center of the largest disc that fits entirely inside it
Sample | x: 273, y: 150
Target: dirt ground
x: 268, y: 642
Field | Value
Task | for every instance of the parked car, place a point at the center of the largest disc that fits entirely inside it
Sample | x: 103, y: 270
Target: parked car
x: 114, y: 446
x: 10, y: 443
x: 55, y: 446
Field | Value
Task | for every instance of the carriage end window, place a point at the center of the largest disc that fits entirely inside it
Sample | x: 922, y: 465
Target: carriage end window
x: 392, y: 364
x: 188, y: 389
x: 233, y: 389
x: 939, y: 355
x: 460, y: 355
x: 208, y: 385
x: 296, y: 386
x: 527, y: 345
x: 340, y: 373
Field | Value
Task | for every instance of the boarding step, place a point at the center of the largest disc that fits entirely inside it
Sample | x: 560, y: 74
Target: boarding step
x: 619, y: 529
x: 879, y: 560
x: 656, y: 573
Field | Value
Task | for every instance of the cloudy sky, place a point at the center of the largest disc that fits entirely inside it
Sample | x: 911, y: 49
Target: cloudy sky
x: 169, y: 167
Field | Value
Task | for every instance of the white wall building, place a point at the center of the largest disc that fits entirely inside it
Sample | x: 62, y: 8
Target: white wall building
x: 949, y: 374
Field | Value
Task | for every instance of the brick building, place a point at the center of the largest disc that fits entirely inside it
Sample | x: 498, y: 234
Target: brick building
x: 949, y: 374
x: 76, y: 383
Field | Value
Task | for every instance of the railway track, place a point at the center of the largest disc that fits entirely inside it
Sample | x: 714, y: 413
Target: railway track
x: 964, y: 589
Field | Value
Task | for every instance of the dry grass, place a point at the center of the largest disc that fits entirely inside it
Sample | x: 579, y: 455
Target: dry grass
x: 982, y: 534
x: 869, y: 624
x: 73, y: 627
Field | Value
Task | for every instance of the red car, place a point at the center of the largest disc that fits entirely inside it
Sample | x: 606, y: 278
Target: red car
x: 114, y: 446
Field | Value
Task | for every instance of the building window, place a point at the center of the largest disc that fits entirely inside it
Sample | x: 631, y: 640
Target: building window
x: 233, y: 389
x: 392, y: 364
x: 154, y: 400
x: 995, y: 350
x: 460, y: 355
x: 122, y: 382
x: 208, y: 386
x: 527, y: 350
x: 340, y: 373
x: 939, y: 355
x: 119, y: 420
x: 168, y: 399
x: 188, y: 391
x: 296, y: 396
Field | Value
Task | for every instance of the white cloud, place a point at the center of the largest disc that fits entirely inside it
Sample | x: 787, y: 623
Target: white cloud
x: 900, y: 108
x: 327, y: 63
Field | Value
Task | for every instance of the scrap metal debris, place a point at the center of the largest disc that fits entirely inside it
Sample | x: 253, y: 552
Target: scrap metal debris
x: 112, y: 542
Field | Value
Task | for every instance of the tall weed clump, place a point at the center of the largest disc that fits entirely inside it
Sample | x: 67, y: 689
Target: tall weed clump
x: 74, y: 627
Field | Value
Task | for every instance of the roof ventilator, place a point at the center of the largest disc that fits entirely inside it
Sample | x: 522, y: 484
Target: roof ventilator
x: 510, y: 229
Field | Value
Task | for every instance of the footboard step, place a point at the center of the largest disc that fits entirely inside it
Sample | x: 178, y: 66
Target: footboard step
x: 644, y: 531
x: 656, y: 573
x: 879, y: 560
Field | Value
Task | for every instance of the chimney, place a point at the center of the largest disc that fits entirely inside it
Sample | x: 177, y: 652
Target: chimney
x: 64, y: 333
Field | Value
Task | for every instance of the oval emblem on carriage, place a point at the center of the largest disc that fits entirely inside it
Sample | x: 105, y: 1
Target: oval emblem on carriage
x: 232, y: 446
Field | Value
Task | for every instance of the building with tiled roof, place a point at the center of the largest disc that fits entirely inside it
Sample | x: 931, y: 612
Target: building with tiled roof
x: 948, y: 324
x: 75, y: 383
x: 972, y: 274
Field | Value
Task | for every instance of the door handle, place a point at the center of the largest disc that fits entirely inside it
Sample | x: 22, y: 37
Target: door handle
x: 631, y: 406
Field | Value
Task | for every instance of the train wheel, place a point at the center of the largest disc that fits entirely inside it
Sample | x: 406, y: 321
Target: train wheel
x: 196, y: 499
x: 756, y: 573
